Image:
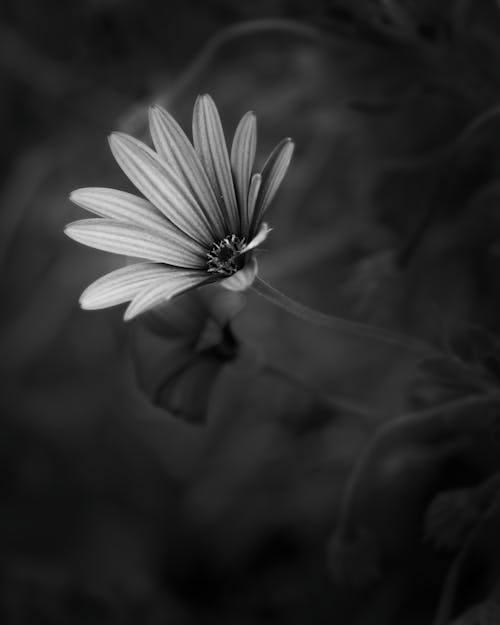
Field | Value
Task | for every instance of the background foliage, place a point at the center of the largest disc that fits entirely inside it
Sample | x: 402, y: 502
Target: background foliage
x: 114, y: 510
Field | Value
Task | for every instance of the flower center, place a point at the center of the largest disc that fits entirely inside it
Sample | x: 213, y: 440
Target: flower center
x: 226, y: 257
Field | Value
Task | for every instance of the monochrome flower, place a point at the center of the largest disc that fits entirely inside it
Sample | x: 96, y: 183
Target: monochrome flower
x: 201, y: 216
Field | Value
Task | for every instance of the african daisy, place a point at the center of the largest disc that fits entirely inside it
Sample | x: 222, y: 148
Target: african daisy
x: 201, y: 216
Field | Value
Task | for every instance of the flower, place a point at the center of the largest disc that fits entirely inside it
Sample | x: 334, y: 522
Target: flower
x: 201, y: 216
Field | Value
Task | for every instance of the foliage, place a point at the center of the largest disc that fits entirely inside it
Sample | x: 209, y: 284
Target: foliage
x: 290, y: 440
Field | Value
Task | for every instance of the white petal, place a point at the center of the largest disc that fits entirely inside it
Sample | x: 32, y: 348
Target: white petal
x: 210, y: 144
x: 253, y: 193
x: 261, y: 236
x: 273, y: 173
x: 176, y: 150
x: 242, y: 279
x: 119, y: 238
x: 242, y: 160
x: 122, y: 285
x: 161, y: 186
x: 121, y: 206
x: 178, y: 282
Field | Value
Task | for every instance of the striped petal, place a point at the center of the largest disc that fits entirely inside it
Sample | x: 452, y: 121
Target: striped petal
x: 122, y: 285
x: 176, y: 150
x: 273, y: 172
x: 253, y: 193
x: 120, y: 238
x: 210, y: 144
x: 121, y: 206
x: 161, y: 186
x: 161, y: 291
x: 242, y: 279
x: 242, y: 160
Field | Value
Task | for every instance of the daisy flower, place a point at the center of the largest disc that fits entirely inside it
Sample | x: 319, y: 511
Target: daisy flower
x: 201, y: 217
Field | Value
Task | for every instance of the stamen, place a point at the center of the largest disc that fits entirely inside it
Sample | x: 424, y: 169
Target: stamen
x: 226, y: 256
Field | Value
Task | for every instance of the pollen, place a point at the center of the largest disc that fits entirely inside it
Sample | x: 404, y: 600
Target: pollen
x: 226, y: 257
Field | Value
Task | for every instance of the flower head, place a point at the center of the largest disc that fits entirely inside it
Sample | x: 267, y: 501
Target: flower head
x: 201, y: 216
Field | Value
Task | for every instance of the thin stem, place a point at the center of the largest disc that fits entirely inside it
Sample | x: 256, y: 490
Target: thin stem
x: 409, y: 248
x: 434, y: 156
x: 354, y: 328
x: 136, y: 120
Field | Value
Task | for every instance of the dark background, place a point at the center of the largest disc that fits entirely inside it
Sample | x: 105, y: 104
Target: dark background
x: 113, y: 510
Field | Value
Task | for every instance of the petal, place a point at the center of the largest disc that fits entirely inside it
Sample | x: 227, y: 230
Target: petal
x: 122, y: 285
x: 210, y: 144
x: 161, y: 186
x: 176, y: 150
x: 121, y: 206
x: 162, y: 290
x: 119, y: 238
x: 242, y: 160
x: 273, y: 172
x: 242, y: 279
x: 261, y: 236
x: 253, y: 193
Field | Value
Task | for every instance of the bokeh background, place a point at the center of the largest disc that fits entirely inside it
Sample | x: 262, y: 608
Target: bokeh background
x: 219, y: 503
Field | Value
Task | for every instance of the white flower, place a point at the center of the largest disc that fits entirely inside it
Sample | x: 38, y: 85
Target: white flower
x: 201, y: 218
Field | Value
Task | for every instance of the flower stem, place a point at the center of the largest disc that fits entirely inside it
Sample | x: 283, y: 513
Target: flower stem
x: 354, y: 328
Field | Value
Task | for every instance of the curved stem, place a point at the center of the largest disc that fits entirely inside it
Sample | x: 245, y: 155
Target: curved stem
x: 433, y: 156
x: 136, y: 120
x: 354, y: 328
x: 409, y: 248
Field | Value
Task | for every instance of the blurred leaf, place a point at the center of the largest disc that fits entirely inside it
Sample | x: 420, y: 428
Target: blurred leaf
x: 450, y: 517
x: 180, y: 348
x: 471, y: 366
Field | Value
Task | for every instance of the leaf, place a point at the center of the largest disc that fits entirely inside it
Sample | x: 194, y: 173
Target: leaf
x: 181, y: 348
x: 471, y: 366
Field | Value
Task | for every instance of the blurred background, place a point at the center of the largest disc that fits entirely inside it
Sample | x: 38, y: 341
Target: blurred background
x: 212, y: 495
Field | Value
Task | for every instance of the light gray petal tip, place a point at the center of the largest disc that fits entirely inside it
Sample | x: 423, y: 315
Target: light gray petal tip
x: 155, y: 111
x: 72, y: 197
x: 77, y: 195
x: 117, y: 138
x: 70, y: 228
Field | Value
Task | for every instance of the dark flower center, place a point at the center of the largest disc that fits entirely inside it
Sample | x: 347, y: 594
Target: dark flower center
x: 226, y: 256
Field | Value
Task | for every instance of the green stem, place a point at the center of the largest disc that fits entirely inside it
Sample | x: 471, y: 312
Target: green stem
x: 354, y: 328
